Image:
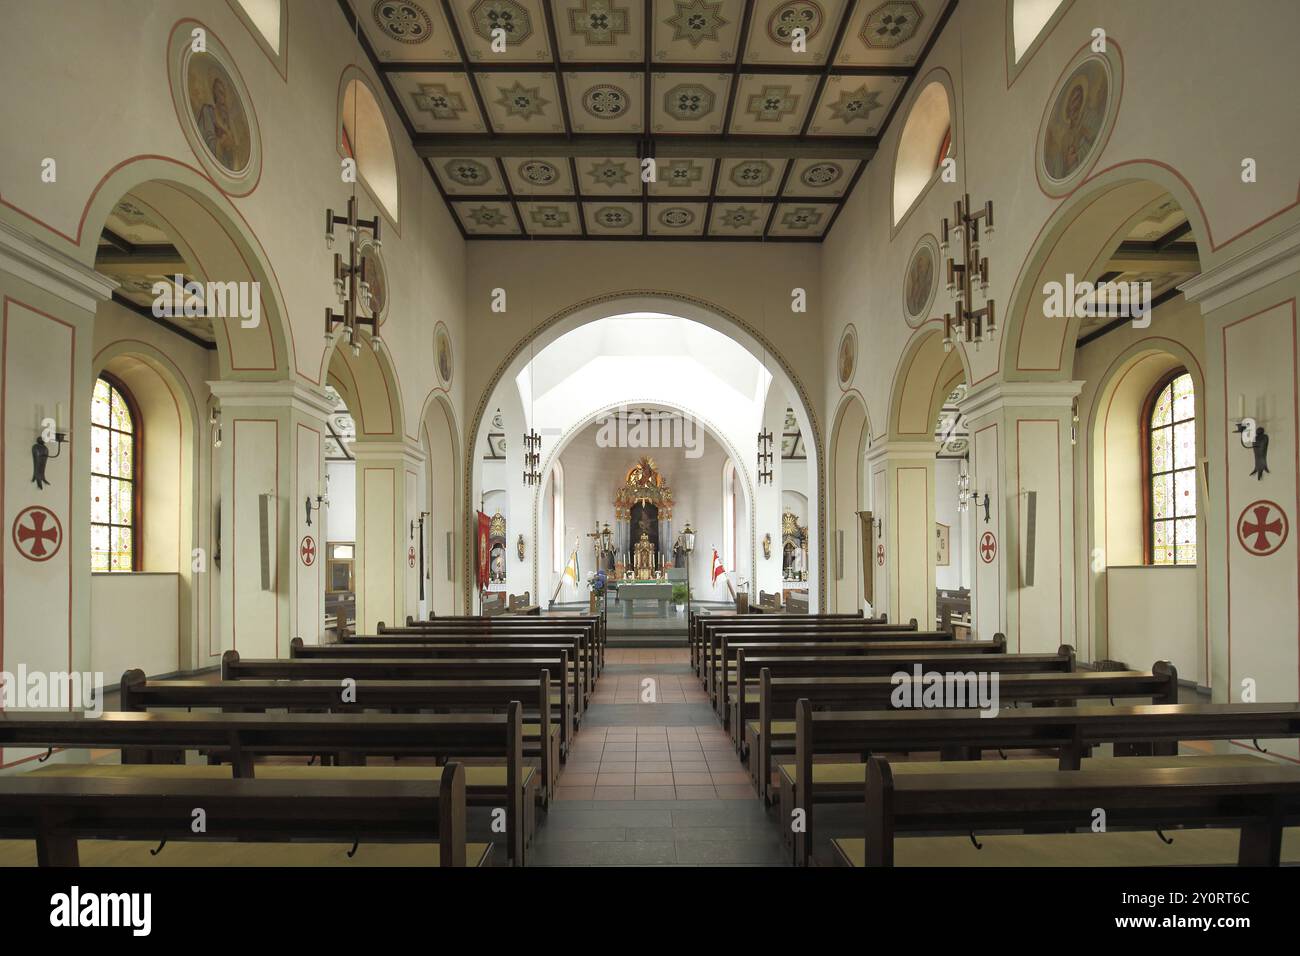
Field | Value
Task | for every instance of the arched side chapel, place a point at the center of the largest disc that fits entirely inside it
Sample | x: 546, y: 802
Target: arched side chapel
x: 1053, y: 446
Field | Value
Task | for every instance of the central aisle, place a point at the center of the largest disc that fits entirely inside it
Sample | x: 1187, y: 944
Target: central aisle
x: 654, y: 783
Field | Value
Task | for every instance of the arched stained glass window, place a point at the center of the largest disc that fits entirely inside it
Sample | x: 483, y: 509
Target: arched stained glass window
x: 1171, y: 471
x: 114, y: 477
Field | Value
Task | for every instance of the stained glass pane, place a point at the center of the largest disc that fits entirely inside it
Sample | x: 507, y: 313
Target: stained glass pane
x: 99, y: 544
x: 1184, y: 401
x: 1160, y: 414
x: 122, y: 448
x: 99, y: 500
x: 1185, y: 493
x: 1162, y: 458
x: 99, y: 443
x: 1162, y: 497
x: 1162, y: 551
x: 1185, y: 445
x: 123, y: 502
x: 121, y: 559
x: 100, y: 402
x: 1185, y: 533
x: 120, y: 414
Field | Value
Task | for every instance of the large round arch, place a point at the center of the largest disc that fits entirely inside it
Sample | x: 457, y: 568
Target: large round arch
x: 1076, y: 241
x: 667, y: 303
x: 924, y: 377
x: 553, y: 456
x: 218, y: 245
x: 441, y: 441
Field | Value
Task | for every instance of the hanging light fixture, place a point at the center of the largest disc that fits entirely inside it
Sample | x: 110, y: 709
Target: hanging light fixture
x: 532, y: 440
x: 352, y: 281
x: 970, y: 274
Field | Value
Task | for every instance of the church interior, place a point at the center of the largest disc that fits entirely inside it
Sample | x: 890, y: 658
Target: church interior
x: 791, y: 433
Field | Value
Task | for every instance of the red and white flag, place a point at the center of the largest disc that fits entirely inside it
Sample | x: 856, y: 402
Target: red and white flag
x: 718, y: 569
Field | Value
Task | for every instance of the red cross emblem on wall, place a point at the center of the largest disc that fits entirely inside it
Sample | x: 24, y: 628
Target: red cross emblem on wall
x: 410, y: 556
x: 1262, y: 527
x: 307, y: 550
x: 880, y: 555
x: 37, y: 533
x: 988, y: 547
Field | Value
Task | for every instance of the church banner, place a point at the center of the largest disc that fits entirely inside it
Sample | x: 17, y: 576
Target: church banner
x: 482, y: 550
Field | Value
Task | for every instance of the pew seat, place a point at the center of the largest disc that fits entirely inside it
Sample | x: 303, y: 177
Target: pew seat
x: 107, y: 853
x: 484, y: 785
x: 1203, y: 847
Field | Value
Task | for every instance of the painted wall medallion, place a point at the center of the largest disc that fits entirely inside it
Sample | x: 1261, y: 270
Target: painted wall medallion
x: 215, y: 109
x: 988, y: 547
x: 377, y: 279
x: 442, y: 354
x: 402, y: 20
x: 1080, y: 115
x: 1262, y: 527
x: 307, y: 550
x: 605, y: 101
x: 37, y: 533
x: 920, y: 280
x: 789, y: 16
x: 846, y: 360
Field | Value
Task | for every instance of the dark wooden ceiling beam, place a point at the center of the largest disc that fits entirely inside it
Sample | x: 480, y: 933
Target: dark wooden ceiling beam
x: 759, y: 69
x: 454, y: 145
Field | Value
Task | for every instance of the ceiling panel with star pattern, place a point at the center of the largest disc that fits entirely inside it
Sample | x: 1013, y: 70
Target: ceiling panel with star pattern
x: 535, y: 117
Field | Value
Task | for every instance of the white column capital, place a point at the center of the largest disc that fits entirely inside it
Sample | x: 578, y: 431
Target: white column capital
x: 902, y: 451
x: 293, y: 394
x: 54, y: 271
x: 408, y: 452
x: 999, y: 395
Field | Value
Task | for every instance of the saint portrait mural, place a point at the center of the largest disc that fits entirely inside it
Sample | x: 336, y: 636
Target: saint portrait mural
x: 847, y: 356
x: 919, y: 281
x: 218, y: 113
x: 442, y: 353
x: 1074, y: 124
x: 377, y: 279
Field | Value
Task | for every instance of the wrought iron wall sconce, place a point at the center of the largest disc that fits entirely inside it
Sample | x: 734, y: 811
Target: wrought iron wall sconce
x: 307, y: 504
x: 1252, y: 436
x: 48, y: 432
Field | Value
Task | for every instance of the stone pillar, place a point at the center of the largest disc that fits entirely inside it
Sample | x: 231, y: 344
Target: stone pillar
x: 271, y: 460
x: 1021, y: 443
x: 387, y: 580
x: 902, y: 553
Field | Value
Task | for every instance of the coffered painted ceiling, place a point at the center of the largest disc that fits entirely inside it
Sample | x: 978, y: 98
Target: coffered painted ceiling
x: 752, y: 137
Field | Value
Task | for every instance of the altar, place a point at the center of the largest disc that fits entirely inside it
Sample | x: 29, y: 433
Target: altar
x: 629, y: 592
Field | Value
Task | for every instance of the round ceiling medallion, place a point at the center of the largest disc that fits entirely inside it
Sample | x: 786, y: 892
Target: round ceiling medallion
x: 676, y: 217
x: 821, y: 175
x: 538, y: 173
x: 920, y: 280
x: 1078, y: 120
x: 796, y: 13
x: 846, y: 360
x: 402, y: 20
x: 614, y: 217
x: 751, y: 173
x: 605, y: 101
x: 214, y: 108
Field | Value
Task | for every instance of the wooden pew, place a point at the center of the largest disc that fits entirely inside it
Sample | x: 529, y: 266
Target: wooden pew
x: 57, y: 812
x: 541, y: 739
x: 241, y: 738
x: 234, y: 667
x: 1261, y: 801
x: 774, y: 731
x: 888, y: 643
x: 562, y: 620
x: 715, y: 649
x: 563, y: 656
x: 583, y: 638
x: 697, y: 620
x: 744, y: 691
x: 1071, y: 731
